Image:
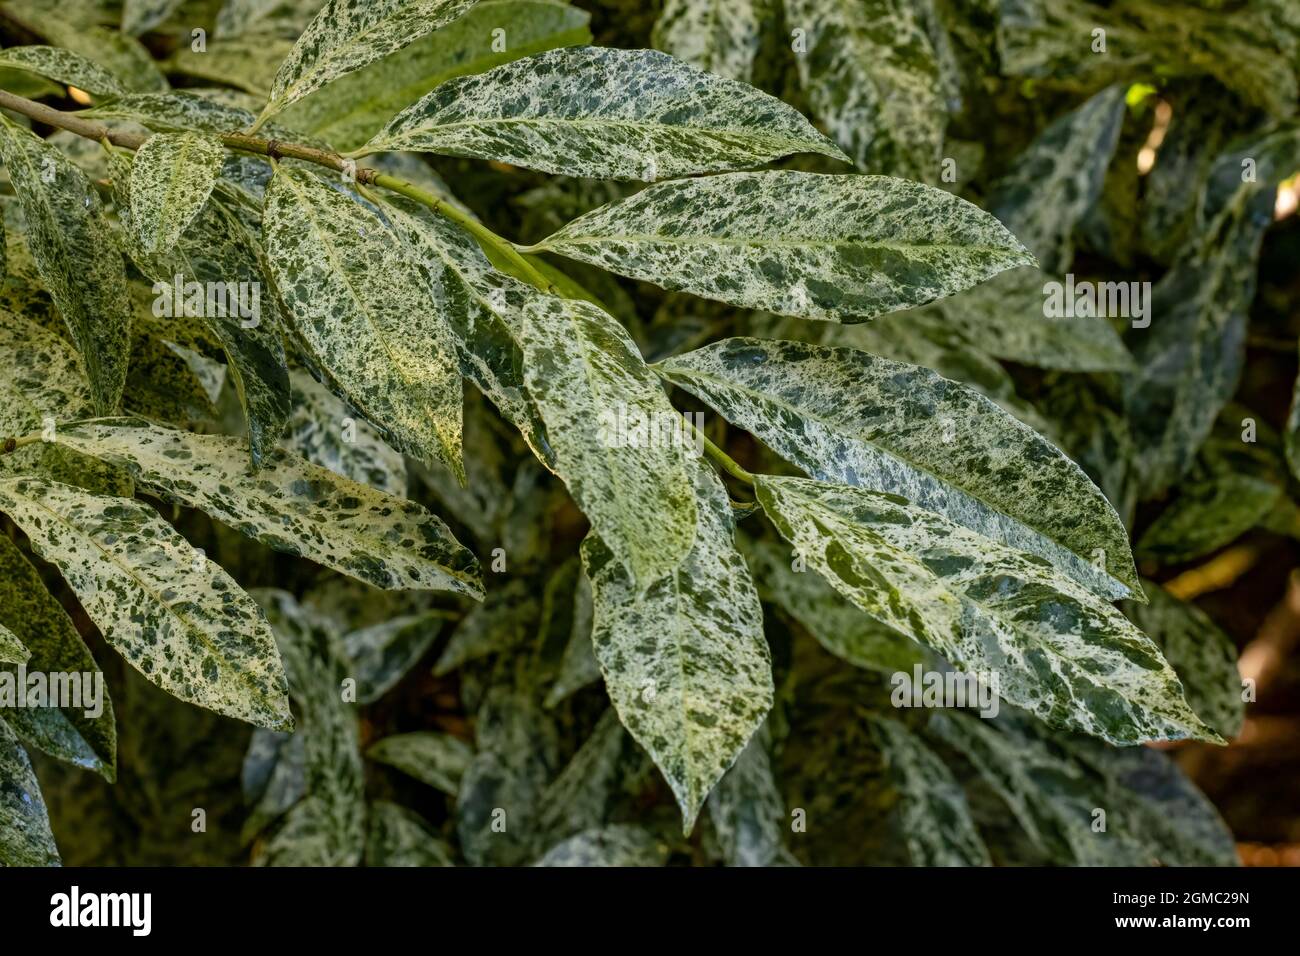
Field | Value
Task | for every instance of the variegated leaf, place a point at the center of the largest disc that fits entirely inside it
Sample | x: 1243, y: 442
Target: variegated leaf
x: 76, y: 255
x: 360, y: 309
x: 583, y: 371
x: 620, y: 845
x: 139, y: 16
x: 579, y: 797
x: 40, y: 378
x: 747, y: 810
x: 25, y: 837
x: 1058, y: 178
x: 847, y: 416
x: 347, y: 34
x: 288, y: 504
x: 605, y: 114
x: 1057, y: 649
x: 870, y: 73
x: 383, y: 653
x: 720, y: 36
x: 121, y: 55
x: 12, y: 650
x: 578, y: 665
x: 843, y: 248
x: 62, y: 66
x: 685, y: 662
x: 171, y: 178
x: 438, y: 760
x: 503, y: 622
x: 175, y: 616
x: 398, y: 837
x: 326, y: 431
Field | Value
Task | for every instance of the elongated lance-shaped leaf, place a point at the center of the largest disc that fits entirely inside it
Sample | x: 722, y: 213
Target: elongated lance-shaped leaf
x: 353, y: 108
x: 1058, y: 178
x: 720, y: 36
x: 746, y: 808
x: 579, y: 797
x: 347, y: 34
x: 326, y: 431
x: 71, y: 734
x: 685, y: 662
x: 843, y: 248
x: 76, y: 255
x: 621, y: 845
x: 396, y: 836
x: 1055, y: 648
x: 289, y: 504
x: 593, y: 390
x: 123, y: 56
x: 933, y: 815
x: 175, y: 616
x: 438, y: 760
x: 605, y: 114
x: 848, y: 416
x: 171, y: 178
x: 870, y: 74
x: 40, y: 377
x: 25, y: 837
x: 361, y: 311
x: 62, y: 66
x: 383, y: 653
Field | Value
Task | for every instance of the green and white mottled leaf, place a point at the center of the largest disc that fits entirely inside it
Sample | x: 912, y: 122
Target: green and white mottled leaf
x: 582, y: 370
x: 175, y: 616
x: 25, y: 837
x: 347, y: 34
x: 360, y: 310
x: 248, y: 63
x: 578, y: 798
x: 353, y: 108
x: 684, y: 658
x: 62, y: 66
x: 848, y: 416
x: 40, y: 377
x: 438, y: 760
x: 870, y: 74
x: 1212, y: 509
x: 933, y: 815
x: 264, y: 18
x: 12, y: 650
x: 578, y: 664
x: 503, y: 622
x: 618, y: 845
x: 720, y: 36
x: 605, y: 114
x: 323, y: 429
x: 138, y: 16
x: 397, y: 836
x: 77, y: 256
x: 121, y: 55
x: 383, y: 653
x: 1204, y: 657
x: 1059, y: 651
x: 171, y: 178
x: 747, y: 810
x: 1058, y: 178
x: 288, y: 504
x: 842, y: 248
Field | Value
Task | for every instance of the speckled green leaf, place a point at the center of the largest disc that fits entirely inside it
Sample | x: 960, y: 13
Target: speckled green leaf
x: 171, y: 178
x: 1057, y: 179
x: 62, y: 66
x: 934, y: 818
x: 619, y: 845
x: 383, y: 653
x: 12, y: 650
x: 397, y: 836
x: 845, y: 415
x: 870, y: 74
x: 436, y: 759
x: 843, y: 248
x: 40, y: 377
x: 805, y: 597
x: 25, y: 837
x: 605, y: 114
x: 503, y: 622
x: 578, y: 665
x: 347, y: 34
x: 1204, y: 657
x: 175, y: 616
x: 685, y: 661
x: 139, y: 16
x: 248, y: 63
x: 581, y: 367
x: 747, y: 810
x: 1058, y: 650
x: 360, y: 309
x: 720, y: 36
x: 77, y: 256
x: 177, y: 111
x: 264, y: 18
x: 1212, y: 509
x: 353, y: 108
x: 288, y: 504
x: 579, y: 797
x: 123, y: 56
x: 323, y: 429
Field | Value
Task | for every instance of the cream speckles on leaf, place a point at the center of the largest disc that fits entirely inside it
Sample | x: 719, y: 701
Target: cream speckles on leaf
x: 581, y: 367
x: 77, y: 256
x: 606, y: 114
x: 685, y: 662
x: 347, y: 34
x: 25, y: 837
x: 842, y: 248
x: 12, y: 650
x: 319, y: 431
x: 172, y: 176
x: 1059, y: 651
x: 175, y: 616
x: 361, y: 310
x: 848, y: 416
x: 40, y: 377
x: 62, y: 66
x: 288, y: 504
x: 720, y: 36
